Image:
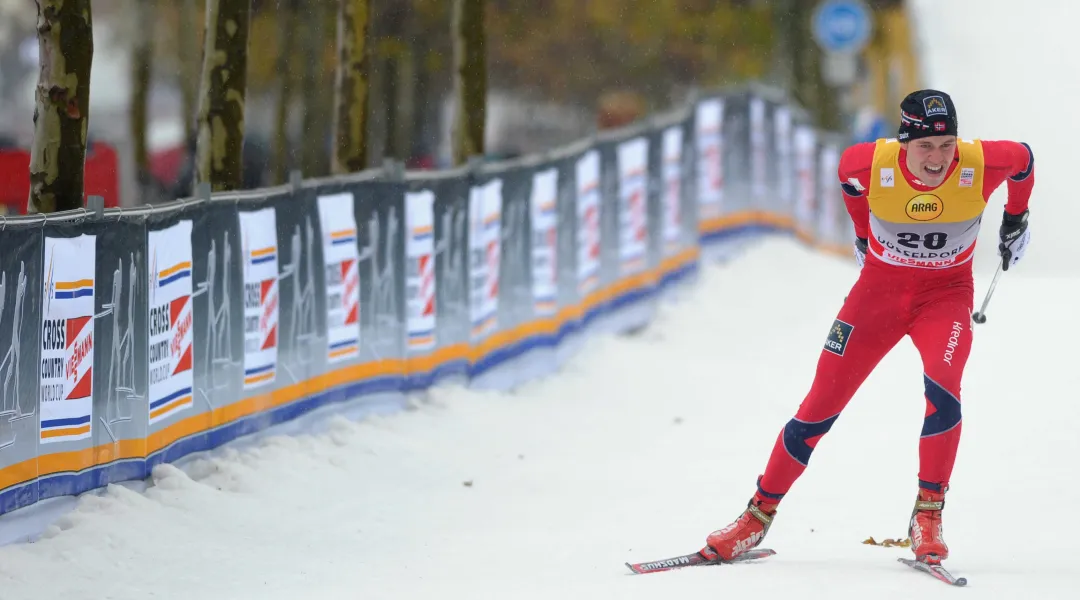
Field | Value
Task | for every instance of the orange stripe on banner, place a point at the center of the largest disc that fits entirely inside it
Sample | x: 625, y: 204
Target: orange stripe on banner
x: 174, y: 269
x: 71, y: 285
x: 259, y: 377
x: 66, y: 431
x: 169, y: 406
x: 438, y: 358
x: 733, y: 220
x: 344, y: 351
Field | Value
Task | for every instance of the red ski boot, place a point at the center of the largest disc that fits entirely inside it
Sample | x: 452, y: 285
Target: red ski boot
x: 927, y: 538
x: 745, y: 533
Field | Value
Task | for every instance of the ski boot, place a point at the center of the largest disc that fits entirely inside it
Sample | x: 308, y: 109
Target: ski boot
x: 745, y: 533
x: 925, y: 530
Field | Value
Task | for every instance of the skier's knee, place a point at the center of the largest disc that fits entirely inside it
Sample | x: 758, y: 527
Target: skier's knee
x: 800, y: 437
x: 944, y: 408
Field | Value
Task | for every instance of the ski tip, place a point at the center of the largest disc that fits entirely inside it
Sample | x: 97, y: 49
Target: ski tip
x: 936, y: 570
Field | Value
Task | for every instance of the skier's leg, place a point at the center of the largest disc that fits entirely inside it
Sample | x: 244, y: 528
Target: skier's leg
x: 942, y: 333
x: 873, y: 319
x: 867, y: 327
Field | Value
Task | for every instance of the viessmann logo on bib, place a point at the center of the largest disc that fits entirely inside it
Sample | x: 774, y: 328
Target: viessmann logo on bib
x: 924, y: 207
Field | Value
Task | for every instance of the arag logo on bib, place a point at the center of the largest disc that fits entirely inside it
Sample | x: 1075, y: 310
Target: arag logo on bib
x: 924, y: 207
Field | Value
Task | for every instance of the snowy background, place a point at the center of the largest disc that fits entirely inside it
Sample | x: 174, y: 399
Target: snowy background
x: 645, y: 445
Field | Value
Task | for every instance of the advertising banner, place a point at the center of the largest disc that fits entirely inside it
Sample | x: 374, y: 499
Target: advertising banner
x: 67, y: 342
x: 259, y: 249
x: 341, y: 261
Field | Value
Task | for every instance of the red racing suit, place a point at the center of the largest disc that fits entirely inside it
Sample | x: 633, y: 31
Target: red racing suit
x: 916, y: 281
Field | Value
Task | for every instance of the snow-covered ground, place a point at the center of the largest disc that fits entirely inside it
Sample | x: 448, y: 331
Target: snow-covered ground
x: 644, y: 445
x: 636, y: 452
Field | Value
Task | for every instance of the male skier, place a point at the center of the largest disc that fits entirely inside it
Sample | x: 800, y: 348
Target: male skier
x: 917, y: 202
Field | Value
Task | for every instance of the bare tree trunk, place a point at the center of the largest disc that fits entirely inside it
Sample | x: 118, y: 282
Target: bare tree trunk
x: 420, y: 105
x: 187, y: 42
x: 288, y: 15
x: 394, y: 51
x: 61, y: 112
x: 309, y: 31
x: 470, y: 79
x: 142, y: 49
x: 351, y: 90
x: 219, y: 157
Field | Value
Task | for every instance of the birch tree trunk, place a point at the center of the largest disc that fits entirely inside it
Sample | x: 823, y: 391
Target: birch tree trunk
x: 351, y: 89
x: 288, y: 13
x: 187, y: 44
x: 393, y: 50
x: 62, y: 105
x: 219, y: 154
x: 142, y: 49
x: 308, y: 32
x: 470, y: 79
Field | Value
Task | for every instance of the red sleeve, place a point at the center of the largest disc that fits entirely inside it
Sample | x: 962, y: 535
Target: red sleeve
x: 1012, y: 162
x: 854, y: 175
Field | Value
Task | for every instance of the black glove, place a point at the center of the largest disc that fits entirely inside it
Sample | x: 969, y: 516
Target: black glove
x: 1013, y: 228
x: 860, y: 250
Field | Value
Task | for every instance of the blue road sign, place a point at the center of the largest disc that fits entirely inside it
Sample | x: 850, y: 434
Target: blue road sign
x: 842, y: 26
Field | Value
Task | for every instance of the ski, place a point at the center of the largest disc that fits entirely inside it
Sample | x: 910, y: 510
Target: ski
x: 937, y: 571
x: 694, y: 560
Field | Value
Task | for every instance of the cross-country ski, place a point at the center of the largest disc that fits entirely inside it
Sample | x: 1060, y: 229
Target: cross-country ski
x: 695, y: 559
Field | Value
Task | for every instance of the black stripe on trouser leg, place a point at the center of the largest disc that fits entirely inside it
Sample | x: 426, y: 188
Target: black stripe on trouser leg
x: 769, y: 495
x: 930, y: 485
x: 946, y: 413
x: 796, y: 433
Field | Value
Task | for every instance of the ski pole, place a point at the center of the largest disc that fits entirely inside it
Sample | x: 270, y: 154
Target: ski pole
x: 980, y: 315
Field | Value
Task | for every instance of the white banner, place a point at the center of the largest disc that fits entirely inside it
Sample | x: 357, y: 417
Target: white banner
x: 341, y: 257
x: 420, y: 273
x: 633, y: 160
x: 782, y: 129
x: 758, y: 152
x: 170, y: 339
x: 671, y: 198
x: 708, y: 133
x: 805, y: 177
x: 588, y: 221
x: 67, y: 339
x: 545, y: 218
x: 258, y: 237
x: 831, y: 197
x: 485, y: 238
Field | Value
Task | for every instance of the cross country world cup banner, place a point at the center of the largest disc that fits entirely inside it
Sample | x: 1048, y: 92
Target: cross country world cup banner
x: 709, y: 119
x: 671, y: 196
x: 67, y: 339
x: 341, y: 256
x: 588, y: 215
x: 485, y: 252
x: 545, y: 219
x: 170, y: 353
x: 258, y: 238
x: 633, y: 165
x: 420, y: 270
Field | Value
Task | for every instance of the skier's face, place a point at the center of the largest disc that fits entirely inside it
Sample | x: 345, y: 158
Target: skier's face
x: 928, y: 158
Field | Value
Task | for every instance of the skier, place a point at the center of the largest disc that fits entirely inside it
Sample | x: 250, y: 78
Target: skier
x: 916, y: 202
